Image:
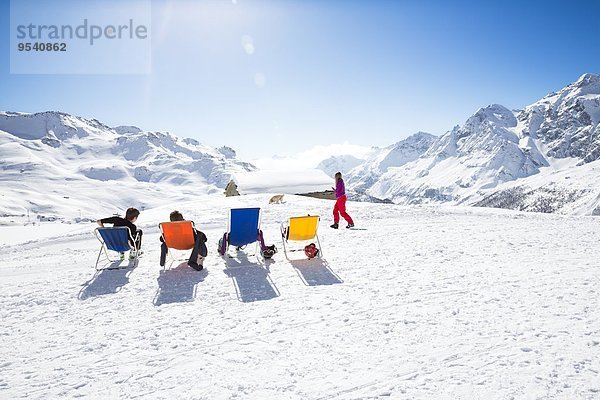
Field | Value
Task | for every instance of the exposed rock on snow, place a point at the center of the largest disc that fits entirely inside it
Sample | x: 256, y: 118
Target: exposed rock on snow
x: 566, y: 122
x: 546, y: 199
x: 121, y: 130
x: 228, y: 152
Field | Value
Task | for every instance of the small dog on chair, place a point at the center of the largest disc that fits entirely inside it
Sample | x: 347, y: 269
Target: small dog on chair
x: 277, y: 199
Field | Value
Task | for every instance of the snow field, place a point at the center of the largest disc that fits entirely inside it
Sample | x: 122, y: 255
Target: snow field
x: 425, y: 302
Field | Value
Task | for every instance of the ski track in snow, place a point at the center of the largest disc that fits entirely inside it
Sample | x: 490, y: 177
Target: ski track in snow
x: 425, y: 303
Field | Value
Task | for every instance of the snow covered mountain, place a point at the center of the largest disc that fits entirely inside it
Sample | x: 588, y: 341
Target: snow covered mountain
x: 497, y: 147
x: 342, y: 164
x: 566, y: 122
x: 564, y: 129
x: 366, y: 174
x: 48, y: 157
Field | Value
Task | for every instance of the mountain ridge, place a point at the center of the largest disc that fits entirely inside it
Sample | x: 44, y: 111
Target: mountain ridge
x: 50, y: 156
x: 495, y: 147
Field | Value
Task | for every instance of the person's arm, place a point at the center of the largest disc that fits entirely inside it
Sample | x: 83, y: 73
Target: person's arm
x: 109, y: 220
x: 196, y: 231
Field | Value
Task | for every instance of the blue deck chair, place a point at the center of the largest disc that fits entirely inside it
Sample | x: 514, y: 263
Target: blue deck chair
x: 243, y: 229
x: 114, y: 239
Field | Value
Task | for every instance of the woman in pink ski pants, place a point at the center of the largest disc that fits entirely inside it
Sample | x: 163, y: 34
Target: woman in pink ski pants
x: 340, y: 203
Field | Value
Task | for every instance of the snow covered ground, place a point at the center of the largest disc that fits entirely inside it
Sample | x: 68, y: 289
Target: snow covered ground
x: 419, y: 302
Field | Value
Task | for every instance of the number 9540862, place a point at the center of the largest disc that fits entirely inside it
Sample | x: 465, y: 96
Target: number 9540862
x: 42, y: 46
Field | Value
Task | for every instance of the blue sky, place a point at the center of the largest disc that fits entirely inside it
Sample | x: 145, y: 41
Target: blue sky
x: 273, y: 76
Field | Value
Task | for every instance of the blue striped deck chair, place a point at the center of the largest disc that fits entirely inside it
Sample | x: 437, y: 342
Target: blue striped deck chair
x: 243, y: 229
x: 114, y: 239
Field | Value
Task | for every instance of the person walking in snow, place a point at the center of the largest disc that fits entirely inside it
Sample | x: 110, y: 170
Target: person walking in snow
x: 340, y: 203
x: 198, y: 252
x: 131, y: 215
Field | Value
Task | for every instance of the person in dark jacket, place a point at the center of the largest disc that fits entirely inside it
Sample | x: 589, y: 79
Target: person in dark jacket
x: 131, y: 216
x: 198, y: 252
x: 340, y: 203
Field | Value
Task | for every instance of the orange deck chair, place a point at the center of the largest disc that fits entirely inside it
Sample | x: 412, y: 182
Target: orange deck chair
x: 178, y: 235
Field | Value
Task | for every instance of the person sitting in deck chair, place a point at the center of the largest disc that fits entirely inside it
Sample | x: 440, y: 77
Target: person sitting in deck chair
x: 198, y: 252
x: 131, y: 216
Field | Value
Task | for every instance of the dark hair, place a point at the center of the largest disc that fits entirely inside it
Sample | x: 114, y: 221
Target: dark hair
x: 176, y: 216
x: 338, y: 175
x: 131, y: 213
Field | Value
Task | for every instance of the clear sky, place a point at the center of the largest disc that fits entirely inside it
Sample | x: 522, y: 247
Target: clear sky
x: 270, y: 76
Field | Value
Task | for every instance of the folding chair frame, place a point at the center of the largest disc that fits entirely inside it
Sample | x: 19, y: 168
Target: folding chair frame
x: 285, y: 240
x: 172, y: 259
x: 104, y: 249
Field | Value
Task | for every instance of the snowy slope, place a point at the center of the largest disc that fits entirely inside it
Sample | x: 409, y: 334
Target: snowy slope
x: 426, y: 303
x: 49, y: 157
x: 570, y: 190
x: 364, y: 175
x: 496, y: 147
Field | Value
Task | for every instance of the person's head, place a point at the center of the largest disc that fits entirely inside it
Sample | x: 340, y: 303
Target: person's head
x: 132, y: 214
x: 338, y: 176
x: 176, y: 216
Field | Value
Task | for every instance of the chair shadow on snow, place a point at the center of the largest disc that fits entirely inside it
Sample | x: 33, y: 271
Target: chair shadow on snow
x: 109, y: 280
x: 178, y: 285
x: 315, y: 272
x: 250, y: 279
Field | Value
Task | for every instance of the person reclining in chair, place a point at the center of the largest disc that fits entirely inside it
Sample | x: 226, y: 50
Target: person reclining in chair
x: 198, y: 252
x: 131, y: 216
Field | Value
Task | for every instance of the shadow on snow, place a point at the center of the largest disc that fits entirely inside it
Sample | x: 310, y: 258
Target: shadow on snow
x: 107, y: 281
x: 315, y: 272
x: 178, y: 285
x: 250, y: 279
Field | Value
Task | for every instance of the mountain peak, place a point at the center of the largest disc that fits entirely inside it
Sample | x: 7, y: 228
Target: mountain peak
x: 588, y: 78
x: 496, y: 114
x: 586, y: 84
x: 495, y: 108
x: 421, y: 134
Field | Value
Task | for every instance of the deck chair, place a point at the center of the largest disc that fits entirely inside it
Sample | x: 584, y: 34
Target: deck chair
x: 243, y: 229
x: 114, y: 239
x: 300, y: 229
x: 178, y: 235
